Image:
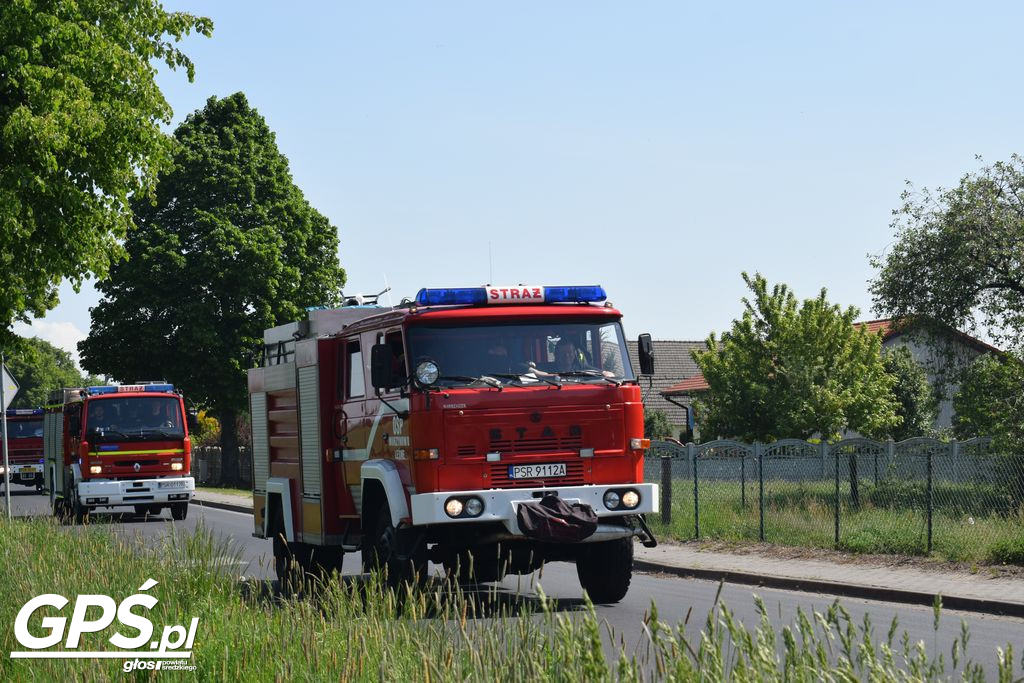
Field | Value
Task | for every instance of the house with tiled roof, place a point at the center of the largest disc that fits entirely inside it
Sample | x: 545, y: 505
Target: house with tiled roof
x: 673, y: 363
x: 965, y: 347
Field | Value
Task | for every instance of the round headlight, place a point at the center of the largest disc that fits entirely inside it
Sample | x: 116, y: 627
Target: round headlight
x: 611, y: 500
x: 453, y: 508
x: 427, y: 372
x: 630, y: 499
x: 474, y: 507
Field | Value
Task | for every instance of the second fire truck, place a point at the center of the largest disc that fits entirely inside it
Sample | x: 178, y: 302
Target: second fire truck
x: 487, y: 429
x: 118, y: 446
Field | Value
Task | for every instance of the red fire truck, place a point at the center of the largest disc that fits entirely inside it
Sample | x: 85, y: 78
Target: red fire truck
x: 443, y: 429
x: 25, y: 450
x: 111, y: 446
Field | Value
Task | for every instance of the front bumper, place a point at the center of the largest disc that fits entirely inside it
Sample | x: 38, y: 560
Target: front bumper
x: 24, y: 471
x: 502, y: 505
x: 110, y: 492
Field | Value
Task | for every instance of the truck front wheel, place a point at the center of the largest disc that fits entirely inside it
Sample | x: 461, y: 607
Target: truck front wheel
x: 605, y: 569
x: 80, y: 512
x: 382, y: 552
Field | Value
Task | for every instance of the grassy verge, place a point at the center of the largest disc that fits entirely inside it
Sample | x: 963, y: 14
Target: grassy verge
x: 968, y: 524
x: 226, y: 490
x: 353, y: 630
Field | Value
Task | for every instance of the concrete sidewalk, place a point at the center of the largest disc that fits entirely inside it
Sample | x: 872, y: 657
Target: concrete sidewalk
x: 911, y: 585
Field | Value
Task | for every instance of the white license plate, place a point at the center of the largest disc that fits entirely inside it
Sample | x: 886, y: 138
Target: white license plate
x: 173, y: 484
x: 544, y: 471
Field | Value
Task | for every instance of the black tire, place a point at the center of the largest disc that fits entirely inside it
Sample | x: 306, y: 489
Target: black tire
x: 284, y: 563
x: 380, y: 554
x: 179, y: 511
x: 605, y: 569
x: 298, y: 563
x: 79, y: 511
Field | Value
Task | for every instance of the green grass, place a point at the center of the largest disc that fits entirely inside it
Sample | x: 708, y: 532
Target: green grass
x: 971, y: 523
x: 355, y: 630
x: 226, y: 490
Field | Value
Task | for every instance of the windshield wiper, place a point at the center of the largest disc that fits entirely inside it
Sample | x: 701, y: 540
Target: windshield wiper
x: 483, y: 379
x: 104, y: 433
x: 596, y: 374
x: 161, y: 432
x: 508, y: 375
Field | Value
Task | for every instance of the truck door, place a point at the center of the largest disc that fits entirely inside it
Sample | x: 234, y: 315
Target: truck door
x: 353, y: 433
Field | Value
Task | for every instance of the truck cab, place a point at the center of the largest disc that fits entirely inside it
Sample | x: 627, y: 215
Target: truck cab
x: 488, y: 430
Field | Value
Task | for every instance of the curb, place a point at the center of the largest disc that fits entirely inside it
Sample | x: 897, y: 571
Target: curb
x: 849, y: 590
x: 231, y: 507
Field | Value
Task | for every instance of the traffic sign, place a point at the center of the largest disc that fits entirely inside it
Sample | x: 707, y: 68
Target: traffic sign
x: 10, y: 387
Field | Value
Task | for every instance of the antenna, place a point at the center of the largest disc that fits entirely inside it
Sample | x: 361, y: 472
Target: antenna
x: 490, y: 263
x: 387, y: 290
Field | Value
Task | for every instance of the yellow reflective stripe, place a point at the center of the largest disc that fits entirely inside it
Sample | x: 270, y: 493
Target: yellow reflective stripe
x: 161, y: 451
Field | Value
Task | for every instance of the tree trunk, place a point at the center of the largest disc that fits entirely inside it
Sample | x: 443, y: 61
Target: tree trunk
x: 854, y: 482
x: 229, y: 474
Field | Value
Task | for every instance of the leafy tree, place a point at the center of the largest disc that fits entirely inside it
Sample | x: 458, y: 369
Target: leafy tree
x: 80, y: 116
x: 957, y: 258
x: 656, y: 424
x: 41, y: 367
x: 793, y: 370
x: 230, y: 248
x: 916, y: 405
x: 990, y: 401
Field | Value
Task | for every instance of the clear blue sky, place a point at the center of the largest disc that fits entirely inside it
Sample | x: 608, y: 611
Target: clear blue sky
x: 655, y: 148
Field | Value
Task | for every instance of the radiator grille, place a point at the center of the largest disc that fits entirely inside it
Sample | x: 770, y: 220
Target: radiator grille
x: 573, y: 477
x: 540, y: 445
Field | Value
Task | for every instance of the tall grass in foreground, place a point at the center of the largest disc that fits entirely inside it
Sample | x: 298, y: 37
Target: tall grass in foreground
x: 352, y: 629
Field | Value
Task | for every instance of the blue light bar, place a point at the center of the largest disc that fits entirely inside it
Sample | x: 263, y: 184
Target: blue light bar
x: 130, y: 389
x: 577, y: 294
x: 11, y: 412
x: 517, y: 294
x: 451, y: 297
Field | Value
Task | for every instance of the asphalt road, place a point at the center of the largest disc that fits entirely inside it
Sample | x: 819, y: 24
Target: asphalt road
x: 676, y: 598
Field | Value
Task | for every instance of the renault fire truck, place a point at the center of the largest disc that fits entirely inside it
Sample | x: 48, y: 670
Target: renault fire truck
x: 114, y: 446
x: 443, y: 429
x: 25, y: 449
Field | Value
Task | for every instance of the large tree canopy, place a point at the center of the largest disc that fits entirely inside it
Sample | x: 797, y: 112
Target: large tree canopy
x: 789, y: 370
x: 230, y: 248
x: 80, y: 117
x: 958, y: 259
x: 40, y: 367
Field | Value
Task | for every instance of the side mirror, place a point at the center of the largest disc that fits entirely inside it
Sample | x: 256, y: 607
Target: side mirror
x: 381, y: 376
x: 645, y: 352
x: 192, y: 419
x: 75, y: 425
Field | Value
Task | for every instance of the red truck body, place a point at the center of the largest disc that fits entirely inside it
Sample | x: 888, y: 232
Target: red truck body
x: 355, y: 447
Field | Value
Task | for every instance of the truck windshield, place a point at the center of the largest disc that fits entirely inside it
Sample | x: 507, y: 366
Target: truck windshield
x: 142, y: 418
x: 523, y: 353
x: 26, y: 429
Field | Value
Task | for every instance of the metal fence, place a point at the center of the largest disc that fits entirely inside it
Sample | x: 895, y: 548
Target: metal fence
x: 206, y: 465
x: 959, y: 498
